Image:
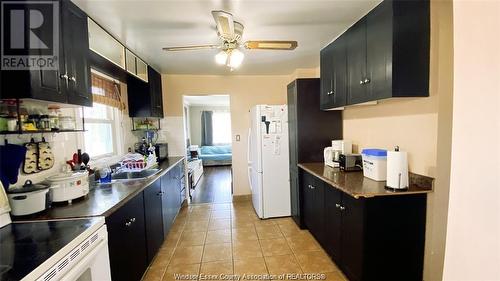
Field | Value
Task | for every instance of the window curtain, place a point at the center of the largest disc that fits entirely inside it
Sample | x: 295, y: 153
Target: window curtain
x: 206, y: 128
x: 106, y: 91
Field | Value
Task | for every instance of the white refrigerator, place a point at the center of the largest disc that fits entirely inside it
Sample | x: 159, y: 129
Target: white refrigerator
x: 268, y: 167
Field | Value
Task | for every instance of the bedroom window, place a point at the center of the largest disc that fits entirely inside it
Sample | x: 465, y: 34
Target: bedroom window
x: 221, y: 123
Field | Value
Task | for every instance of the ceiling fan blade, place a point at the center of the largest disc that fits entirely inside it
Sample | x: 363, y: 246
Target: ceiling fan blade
x: 271, y: 45
x: 191, y: 48
x: 225, y: 24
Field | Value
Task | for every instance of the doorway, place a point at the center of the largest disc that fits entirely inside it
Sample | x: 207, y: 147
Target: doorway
x: 207, y: 127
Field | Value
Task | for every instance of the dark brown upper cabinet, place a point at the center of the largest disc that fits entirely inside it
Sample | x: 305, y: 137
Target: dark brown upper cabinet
x: 71, y: 82
x: 145, y: 98
x: 333, y: 74
x: 386, y: 55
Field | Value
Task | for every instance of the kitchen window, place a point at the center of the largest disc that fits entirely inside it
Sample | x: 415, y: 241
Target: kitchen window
x: 100, y: 138
x: 103, y: 120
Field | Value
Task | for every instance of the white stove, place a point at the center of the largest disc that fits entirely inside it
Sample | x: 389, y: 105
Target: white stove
x: 75, y: 249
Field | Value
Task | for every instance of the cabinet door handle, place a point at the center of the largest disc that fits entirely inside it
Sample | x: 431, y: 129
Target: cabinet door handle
x: 330, y: 93
x: 132, y: 219
x: 72, y: 79
x: 128, y: 224
x: 361, y: 82
x: 160, y: 193
x: 366, y: 81
x: 312, y: 187
x: 64, y: 76
x: 337, y: 205
x: 342, y: 208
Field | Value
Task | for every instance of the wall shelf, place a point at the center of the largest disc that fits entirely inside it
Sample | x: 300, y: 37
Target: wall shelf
x: 38, y: 132
x: 20, y: 131
x: 149, y: 127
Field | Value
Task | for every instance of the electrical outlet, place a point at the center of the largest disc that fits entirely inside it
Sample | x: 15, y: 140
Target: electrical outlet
x: 238, y: 137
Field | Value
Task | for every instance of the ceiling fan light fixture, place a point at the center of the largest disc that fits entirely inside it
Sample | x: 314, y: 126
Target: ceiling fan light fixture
x: 235, y: 58
x: 221, y: 58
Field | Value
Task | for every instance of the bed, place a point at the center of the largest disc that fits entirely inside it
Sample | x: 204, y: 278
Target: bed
x: 216, y: 155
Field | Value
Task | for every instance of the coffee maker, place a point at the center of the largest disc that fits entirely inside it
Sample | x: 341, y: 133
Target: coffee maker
x: 332, y: 153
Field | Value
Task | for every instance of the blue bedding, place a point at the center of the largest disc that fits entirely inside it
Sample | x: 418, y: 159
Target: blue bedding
x: 216, y: 155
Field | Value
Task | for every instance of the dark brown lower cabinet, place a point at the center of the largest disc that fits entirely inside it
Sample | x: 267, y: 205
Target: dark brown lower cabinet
x: 333, y: 225
x: 153, y: 217
x: 137, y: 230
x: 127, y: 240
x: 378, y: 238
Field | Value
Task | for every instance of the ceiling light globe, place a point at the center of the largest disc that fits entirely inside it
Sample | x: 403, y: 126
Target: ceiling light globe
x: 221, y: 58
x: 236, y: 58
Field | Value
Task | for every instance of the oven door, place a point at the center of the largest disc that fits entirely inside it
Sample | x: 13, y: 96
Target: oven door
x: 94, y: 266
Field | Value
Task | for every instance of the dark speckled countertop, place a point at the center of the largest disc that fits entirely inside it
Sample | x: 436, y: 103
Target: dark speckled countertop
x: 104, y: 199
x: 356, y: 185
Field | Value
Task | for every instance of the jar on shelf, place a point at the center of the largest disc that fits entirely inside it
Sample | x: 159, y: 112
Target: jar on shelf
x: 54, y: 119
x: 44, y: 123
x: 67, y: 123
x: 3, y: 122
x: 12, y: 124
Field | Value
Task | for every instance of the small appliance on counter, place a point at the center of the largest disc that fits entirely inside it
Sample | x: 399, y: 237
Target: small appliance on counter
x: 329, y: 155
x: 350, y: 162
x: 28, y: 199
x: 375, y: 164
x: 397, y: 169
x: 68, y: 186
x: 332, y: 153
x: 4, y: 207
x: 161, y: 151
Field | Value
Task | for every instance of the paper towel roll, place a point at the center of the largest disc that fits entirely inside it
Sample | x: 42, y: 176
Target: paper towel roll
x: 397, y: 169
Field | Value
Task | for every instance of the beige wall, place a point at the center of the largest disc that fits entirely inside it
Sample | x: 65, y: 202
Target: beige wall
x: 473, y: 235
x: 244, y: 92
x: 421, y: 126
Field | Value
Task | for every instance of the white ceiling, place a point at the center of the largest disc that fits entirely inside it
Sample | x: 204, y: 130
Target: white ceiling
x: 145, y: 26
x: 213, y: 100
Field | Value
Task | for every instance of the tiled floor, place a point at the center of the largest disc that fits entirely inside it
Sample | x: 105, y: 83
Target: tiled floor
x: 215, y: 239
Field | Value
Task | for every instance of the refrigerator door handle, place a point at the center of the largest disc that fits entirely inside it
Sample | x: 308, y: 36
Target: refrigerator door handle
x: 248, y: 146
x: 249, y: 171
x: 250, y: 178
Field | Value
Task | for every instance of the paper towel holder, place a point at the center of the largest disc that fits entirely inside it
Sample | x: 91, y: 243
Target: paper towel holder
x: 400, y: 170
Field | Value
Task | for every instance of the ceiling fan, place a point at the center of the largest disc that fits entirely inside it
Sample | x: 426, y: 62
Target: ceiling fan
x: 230, y: 33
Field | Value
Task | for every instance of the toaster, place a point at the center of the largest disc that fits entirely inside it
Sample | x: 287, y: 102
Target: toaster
x: 350, y: 162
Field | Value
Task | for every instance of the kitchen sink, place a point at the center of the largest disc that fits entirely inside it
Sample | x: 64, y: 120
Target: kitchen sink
x: 144, y: 174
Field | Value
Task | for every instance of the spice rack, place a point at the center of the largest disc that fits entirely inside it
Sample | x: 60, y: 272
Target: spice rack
x: 20, y: 130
